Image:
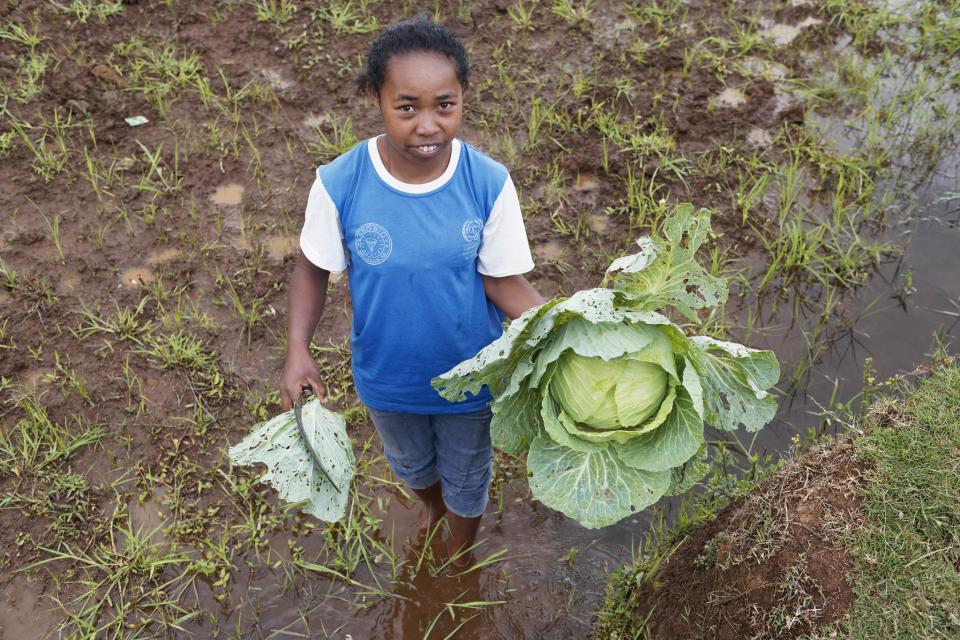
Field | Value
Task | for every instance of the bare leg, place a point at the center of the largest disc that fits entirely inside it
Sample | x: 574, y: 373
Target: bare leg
x: 463, y: 531
x: 434, y: 508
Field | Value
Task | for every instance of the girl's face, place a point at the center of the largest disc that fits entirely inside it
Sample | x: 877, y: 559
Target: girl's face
x: 422, y: 105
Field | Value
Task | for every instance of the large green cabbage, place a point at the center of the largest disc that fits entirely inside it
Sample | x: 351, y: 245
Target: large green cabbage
x: 606, y: 395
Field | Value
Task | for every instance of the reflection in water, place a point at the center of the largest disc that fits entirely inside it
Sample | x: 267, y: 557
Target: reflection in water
x: 25, y: 613
x: 783, y: 34
x: 147, y: 518
x: 731, y: 97
x: 435, y: 604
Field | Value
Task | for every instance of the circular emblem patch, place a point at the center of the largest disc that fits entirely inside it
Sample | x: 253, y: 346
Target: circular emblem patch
x: 374, y: 244
x: 471, y: 229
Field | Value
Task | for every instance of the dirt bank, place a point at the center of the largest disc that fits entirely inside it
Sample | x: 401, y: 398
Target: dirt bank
x: 813, y: 550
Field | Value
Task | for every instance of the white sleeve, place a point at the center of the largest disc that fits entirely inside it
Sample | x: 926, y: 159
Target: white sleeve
x: 504, y: 250
x: 321, y: 239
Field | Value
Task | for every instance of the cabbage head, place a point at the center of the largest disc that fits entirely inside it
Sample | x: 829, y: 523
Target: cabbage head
x: 606, y: 395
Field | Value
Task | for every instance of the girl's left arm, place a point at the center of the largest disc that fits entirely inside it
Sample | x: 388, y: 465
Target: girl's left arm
x: 511, y: 294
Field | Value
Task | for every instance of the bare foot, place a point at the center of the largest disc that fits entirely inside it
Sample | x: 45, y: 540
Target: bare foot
x: 463, y: 531
x: 461, y: 561
x: 433, y: 511
x: 429, y: 518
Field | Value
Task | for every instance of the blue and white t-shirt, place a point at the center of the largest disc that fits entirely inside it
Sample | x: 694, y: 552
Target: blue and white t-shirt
x: 414, y: 254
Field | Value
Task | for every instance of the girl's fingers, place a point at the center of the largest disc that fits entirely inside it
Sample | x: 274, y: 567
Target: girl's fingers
x: 294, y: 378
x: 289, y: 394
x: 319, y: 389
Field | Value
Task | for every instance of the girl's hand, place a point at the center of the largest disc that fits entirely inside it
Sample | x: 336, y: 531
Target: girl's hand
x: 299, y: 371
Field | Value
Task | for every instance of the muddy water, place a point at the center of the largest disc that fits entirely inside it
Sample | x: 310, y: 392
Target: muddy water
x: 137, y: 277
x: 280, y: 246
x: 895, y: 322
x: 228, y: 195
x: 549, y: 250
x: 547, y: 585
x: 25, y: 613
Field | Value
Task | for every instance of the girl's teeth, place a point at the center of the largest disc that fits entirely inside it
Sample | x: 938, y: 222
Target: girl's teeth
x: 428, y: 148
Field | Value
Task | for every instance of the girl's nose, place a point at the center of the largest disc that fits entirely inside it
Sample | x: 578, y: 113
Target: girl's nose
x: 426, y: 125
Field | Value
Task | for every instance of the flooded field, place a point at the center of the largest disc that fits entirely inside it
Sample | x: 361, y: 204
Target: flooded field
x: 143, y: 271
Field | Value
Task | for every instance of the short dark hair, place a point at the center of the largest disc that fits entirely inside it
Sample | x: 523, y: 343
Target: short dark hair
x: 416, y: 34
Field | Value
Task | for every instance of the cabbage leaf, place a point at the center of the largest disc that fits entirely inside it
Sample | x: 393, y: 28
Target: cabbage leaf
x: 290, y: 469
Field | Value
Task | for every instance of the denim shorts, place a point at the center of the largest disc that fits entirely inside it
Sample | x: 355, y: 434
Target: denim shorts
x: 453, y: 449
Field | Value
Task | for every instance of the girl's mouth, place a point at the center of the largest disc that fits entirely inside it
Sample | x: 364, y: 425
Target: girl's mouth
x: 426, y: 150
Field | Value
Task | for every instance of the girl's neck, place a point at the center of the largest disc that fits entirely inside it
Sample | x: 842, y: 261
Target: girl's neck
x: 409, y: 172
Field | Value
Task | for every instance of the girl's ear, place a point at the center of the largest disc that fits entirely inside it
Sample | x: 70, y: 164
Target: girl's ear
x: 372, y: 96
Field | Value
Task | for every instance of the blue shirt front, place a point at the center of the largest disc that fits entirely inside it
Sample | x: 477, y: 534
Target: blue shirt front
x: 419, y: 305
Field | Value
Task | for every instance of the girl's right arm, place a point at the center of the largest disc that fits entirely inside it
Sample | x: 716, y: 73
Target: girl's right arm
x: 308, y: 293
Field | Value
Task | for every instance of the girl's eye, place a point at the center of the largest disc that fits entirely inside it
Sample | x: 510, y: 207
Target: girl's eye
x: 406, y: 108
x: 446, y: 105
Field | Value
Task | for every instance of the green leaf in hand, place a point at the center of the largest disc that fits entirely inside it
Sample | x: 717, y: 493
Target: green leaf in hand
x: 290, y: 468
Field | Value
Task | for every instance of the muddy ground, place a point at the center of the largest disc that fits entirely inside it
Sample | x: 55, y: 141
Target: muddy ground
x: 771, y: 565
x: 144, y: 267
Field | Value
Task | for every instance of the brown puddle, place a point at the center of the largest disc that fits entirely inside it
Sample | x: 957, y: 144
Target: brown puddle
x: 526, y: 592
x: 163, y: 255
x: 550, y: 250
x: 239, y: 242
x: 69, y: 281
x: 598, y: 223
x: 36, y: 377
x: 731, y: 97
x: 280, y: 246
x: 23, y: 614
x: 586, y: 182
x: 228, y: 195
x: 148, y: 517
x: 136, y: 277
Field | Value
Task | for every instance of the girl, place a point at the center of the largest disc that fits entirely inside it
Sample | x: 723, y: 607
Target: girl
x: 430, y: 233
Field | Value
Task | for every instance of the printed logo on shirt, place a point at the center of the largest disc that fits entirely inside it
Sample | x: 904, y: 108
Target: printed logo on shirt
x: 374, y: 244
x: 471, y: 229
